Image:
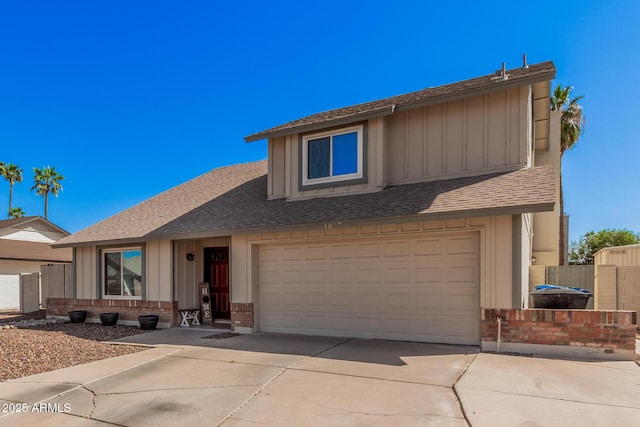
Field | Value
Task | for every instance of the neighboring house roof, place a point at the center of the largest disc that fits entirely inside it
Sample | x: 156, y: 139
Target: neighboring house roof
x: 19, y: 250
x: 30, y: 238
x: 233, y: 199
x: 22, y: 223
x: 450, y: 92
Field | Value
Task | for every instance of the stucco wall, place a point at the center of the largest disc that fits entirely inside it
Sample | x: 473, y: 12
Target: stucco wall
x: 17, y: 267
x: 628, y: 256
x: 617, y: 288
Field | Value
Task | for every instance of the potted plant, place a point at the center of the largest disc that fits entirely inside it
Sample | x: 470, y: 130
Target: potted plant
x: 77, y: 316
x: 109, y: 319
x: 148, y: 322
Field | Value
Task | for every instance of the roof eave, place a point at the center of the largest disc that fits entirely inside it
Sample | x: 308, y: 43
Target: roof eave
x: 483, y: 90
x: 388, y: 110
x: 470, y: 213
x: 109, y: 242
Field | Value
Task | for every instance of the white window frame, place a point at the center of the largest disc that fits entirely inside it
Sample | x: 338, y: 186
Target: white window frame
x: 103, y: 283
x: 337, y: 178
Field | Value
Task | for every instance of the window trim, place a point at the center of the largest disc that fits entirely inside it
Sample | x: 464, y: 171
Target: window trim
x: 347, y: 179
x: 102, y: 281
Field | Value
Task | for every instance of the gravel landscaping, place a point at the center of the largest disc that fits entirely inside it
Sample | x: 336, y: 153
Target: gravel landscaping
x: 29, y: 350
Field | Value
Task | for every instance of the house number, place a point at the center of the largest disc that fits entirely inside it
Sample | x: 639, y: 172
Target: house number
x: 331, y: 225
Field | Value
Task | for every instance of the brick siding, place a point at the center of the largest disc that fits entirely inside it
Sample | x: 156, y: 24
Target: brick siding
x: 241, y: 315
x: 608, y: 330
x: 129, y: 309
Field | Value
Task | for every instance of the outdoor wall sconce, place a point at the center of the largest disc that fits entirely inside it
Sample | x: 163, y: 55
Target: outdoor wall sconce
x: 190, y: 257
x: 533, y: 260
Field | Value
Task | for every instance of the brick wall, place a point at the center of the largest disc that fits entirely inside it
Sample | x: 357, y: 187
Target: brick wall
x: 241, y: 315
x: 129, y: 309
x: 584, y: 332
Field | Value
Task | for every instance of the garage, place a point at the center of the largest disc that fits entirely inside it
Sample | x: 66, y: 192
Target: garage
x: 419, y: 288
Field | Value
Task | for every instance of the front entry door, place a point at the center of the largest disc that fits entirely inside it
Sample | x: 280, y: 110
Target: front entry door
x: 217, y: 274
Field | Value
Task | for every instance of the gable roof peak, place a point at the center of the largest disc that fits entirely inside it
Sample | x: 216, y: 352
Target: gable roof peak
x: 500, y: 80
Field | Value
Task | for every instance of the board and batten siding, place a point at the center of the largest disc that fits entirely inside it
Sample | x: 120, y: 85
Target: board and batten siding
x: 283, y: 176
x: 86, y: 264
x: 458, y: 138
x: 189, y: 274
x: 482, y: 134
x: 158, y: 271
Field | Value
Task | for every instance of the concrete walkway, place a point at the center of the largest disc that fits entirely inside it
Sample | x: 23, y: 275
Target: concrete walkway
x: 189, y: 378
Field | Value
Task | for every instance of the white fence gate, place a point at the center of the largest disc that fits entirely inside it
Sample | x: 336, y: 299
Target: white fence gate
x: 9, y: 291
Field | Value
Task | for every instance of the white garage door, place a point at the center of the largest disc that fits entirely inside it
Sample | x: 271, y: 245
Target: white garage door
x: 414, y: 289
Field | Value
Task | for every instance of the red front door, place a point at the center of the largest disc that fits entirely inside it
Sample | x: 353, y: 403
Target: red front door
x: 218, y: 265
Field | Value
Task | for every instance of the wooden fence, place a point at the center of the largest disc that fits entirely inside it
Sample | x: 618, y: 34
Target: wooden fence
x: 575, y: 276
x: 29, y: 292
x: 57, y: 282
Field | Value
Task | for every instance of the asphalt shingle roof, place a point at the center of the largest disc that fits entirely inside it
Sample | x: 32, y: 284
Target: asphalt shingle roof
x: 234, y: 199
x: 33, y: 251
x: 516, y: 77
x: 145, y: 217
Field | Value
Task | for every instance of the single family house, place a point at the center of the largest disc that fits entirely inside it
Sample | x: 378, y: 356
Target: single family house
x: 401, y: 218
x: 25, y: 245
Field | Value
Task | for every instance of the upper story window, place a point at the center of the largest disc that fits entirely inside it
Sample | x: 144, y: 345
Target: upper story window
x: 333, y: 156
x: 122, y: 273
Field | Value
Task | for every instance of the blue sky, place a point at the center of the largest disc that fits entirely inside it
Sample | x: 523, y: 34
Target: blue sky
x: 129, y: 98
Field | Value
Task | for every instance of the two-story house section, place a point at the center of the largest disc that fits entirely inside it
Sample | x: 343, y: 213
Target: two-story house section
x: 395, y: 219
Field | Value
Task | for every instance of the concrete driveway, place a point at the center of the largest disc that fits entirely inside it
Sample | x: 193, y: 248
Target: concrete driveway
x: 189, y: 379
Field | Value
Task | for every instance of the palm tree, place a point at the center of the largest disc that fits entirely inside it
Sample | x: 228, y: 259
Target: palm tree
x: 16, y: 213
x: 572, y: 123
x: 13, y: 174
x: 45, y: 181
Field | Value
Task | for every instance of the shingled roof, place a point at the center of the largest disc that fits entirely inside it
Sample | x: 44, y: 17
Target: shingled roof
x: 234, y: 199
x: 140, y: 220
x: 450, y: 92
x: 19, y: 250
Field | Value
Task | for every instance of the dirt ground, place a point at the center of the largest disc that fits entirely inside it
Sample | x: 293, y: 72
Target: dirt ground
x: 31, y: 350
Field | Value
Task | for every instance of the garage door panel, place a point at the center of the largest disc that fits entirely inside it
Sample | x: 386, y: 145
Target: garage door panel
x: 368, y: 250
x: 396, y: 249
x: 339, y: 275
x: 422, y: 289
x: 429, y: 274
x: 461, y: 273
x: 428, y: 247
x: 462, y: 246
x: 315, y: 252
x: 397, y: 275
x: 369, y: 276
x: 341, y: 252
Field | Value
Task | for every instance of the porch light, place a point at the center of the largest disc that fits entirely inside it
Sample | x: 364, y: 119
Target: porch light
x: 190, y: 256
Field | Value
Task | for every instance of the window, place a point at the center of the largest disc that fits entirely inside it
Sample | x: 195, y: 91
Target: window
x: 332, y: 156
x: 122, y: 273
